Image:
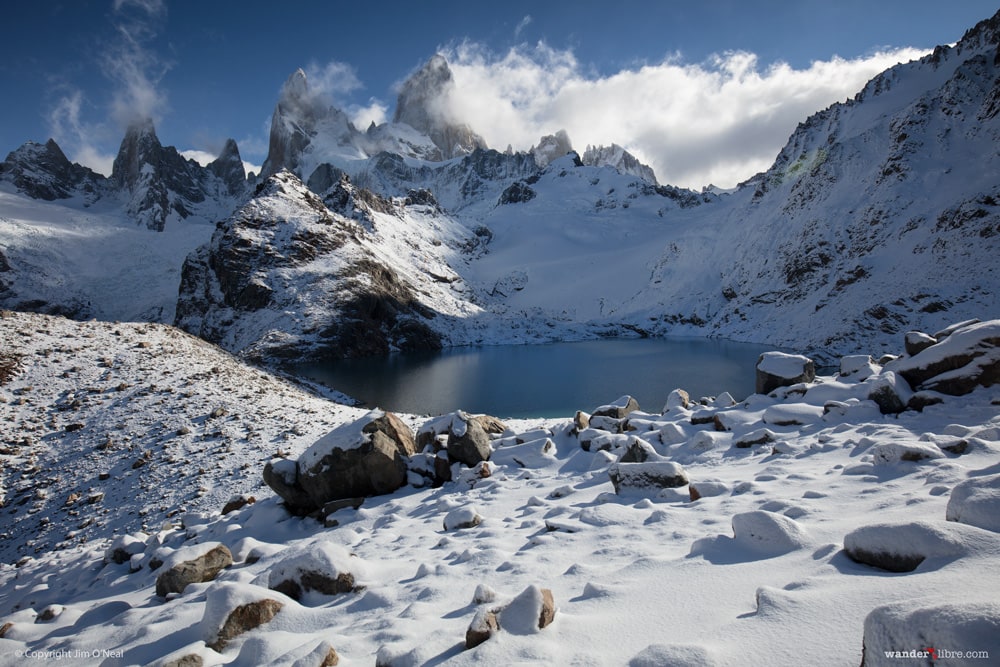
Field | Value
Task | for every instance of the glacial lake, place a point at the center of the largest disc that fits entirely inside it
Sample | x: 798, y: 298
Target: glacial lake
x: 552, y: 380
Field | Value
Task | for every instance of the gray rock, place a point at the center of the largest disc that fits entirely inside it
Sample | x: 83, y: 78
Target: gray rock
x: 282, y: 476
x: 203, y: 568
x: 777, y: 369
x: 968, y: 356
x: 649, y: 476
x: 916, y: 342
x: 617, y: 410
x: 243, y: 619
x: 364, y: 458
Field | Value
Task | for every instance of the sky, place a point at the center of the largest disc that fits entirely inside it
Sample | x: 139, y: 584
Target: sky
x: 704, y: 92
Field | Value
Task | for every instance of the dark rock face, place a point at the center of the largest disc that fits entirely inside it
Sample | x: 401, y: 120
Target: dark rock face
x: 228, y: 168
x: 516, y: 193
x: 364, y: 458
x: 261, y: 259
x: 422, y: 104
x: 42, y: 171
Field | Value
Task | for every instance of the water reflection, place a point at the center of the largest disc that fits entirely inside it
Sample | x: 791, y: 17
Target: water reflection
x: 544, y: 380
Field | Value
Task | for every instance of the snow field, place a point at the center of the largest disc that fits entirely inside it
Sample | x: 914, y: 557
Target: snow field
x: 755, y: 567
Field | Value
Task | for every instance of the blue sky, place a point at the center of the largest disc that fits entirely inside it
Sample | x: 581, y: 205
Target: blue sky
x: 211, y: 70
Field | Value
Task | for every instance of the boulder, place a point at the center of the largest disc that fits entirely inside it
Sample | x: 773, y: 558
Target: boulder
x: 857, y: 367
x: 465, y: 437
x: 203, y: 567
x: 124, y: 547
x: 976, y: 502
x: 902, y: 547
x: 916, y: 342
x: 778, y: 369
x: 965, y: 357
x: 647, y: 476
x: 619, y: 409
x: 322, y: 567
x: 462, y: 517
x: 890, y: 392
x: 282, y: 475
x: 364, y: 458
x: 768, y: 534
x: 531, y: 611
x: 243, y: 619
x: 678, y: 399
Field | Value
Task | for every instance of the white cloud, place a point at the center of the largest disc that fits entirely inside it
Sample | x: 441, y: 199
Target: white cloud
x: 201, y: 157
x: 525, y: 22
x: 363, y: 116
x: 135, y: 72
x: 152, y: 7
x: 719, y: 121
x: 205, y: 157
x: 75, y: 137
x: 332, y: 80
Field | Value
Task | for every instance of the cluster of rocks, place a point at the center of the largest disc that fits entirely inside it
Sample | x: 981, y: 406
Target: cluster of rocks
x: 376, y: 455
x: 309, y: 575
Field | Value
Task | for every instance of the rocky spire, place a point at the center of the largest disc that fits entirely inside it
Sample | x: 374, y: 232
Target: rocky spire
x: 422, y: 104
x: 228, y: 167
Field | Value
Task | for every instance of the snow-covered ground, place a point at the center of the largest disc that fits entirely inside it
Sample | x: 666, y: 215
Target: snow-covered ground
x: 754, y: 571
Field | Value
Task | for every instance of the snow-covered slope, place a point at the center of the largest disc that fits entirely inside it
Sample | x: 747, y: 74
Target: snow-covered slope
x: 85, y: 261
x: 747, y: 557
x: 287, y: 277
x: 110, y: 428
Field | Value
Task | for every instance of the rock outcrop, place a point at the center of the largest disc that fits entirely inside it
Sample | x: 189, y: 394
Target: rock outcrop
x: 363, y: 458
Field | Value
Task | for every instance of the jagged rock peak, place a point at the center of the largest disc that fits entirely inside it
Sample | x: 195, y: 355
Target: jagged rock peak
x: 551, y: 147
x: 423, y: 105
x: 43, y: 171
x: 139, y: 146
x: 619, y: 158
x: 229, y: 168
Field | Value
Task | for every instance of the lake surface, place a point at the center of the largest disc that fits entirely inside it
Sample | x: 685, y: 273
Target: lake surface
x: 552, y: 380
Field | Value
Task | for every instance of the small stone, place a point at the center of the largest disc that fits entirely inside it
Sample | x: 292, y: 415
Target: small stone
x: 245, y: 618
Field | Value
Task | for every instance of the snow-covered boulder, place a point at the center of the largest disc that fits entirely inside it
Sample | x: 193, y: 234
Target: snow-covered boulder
x: 916, y: 342
x: 321, y: 566
x: 462, y: 517
x: 888, y: 453
x: 531, y: 611
x: 465, y: 437
x: 233, y: 609
x: 858, y: 367
x: 890, y: 392
x: 778, y: 369
x: 767, y: 533
x: 646, y: 477
x: 282, y: 476
x: 929, y: 631
x: 366, y: 457
x: 976, y: 502
x: 618, y: 409
x: 902, y: 547
x: 192, y: 565
x: 963, y: 359
x: 124, y: 547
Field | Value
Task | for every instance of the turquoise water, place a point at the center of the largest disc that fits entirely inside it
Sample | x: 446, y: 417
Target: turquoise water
x: 551, y: 380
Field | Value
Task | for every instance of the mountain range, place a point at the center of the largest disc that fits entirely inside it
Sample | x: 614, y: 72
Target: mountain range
x: 879, y: 215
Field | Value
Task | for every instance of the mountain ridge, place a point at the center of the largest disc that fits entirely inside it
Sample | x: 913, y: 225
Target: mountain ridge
x: 885, y: 195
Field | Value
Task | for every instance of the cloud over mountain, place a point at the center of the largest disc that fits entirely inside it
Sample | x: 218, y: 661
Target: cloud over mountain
x: 718, y: 121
